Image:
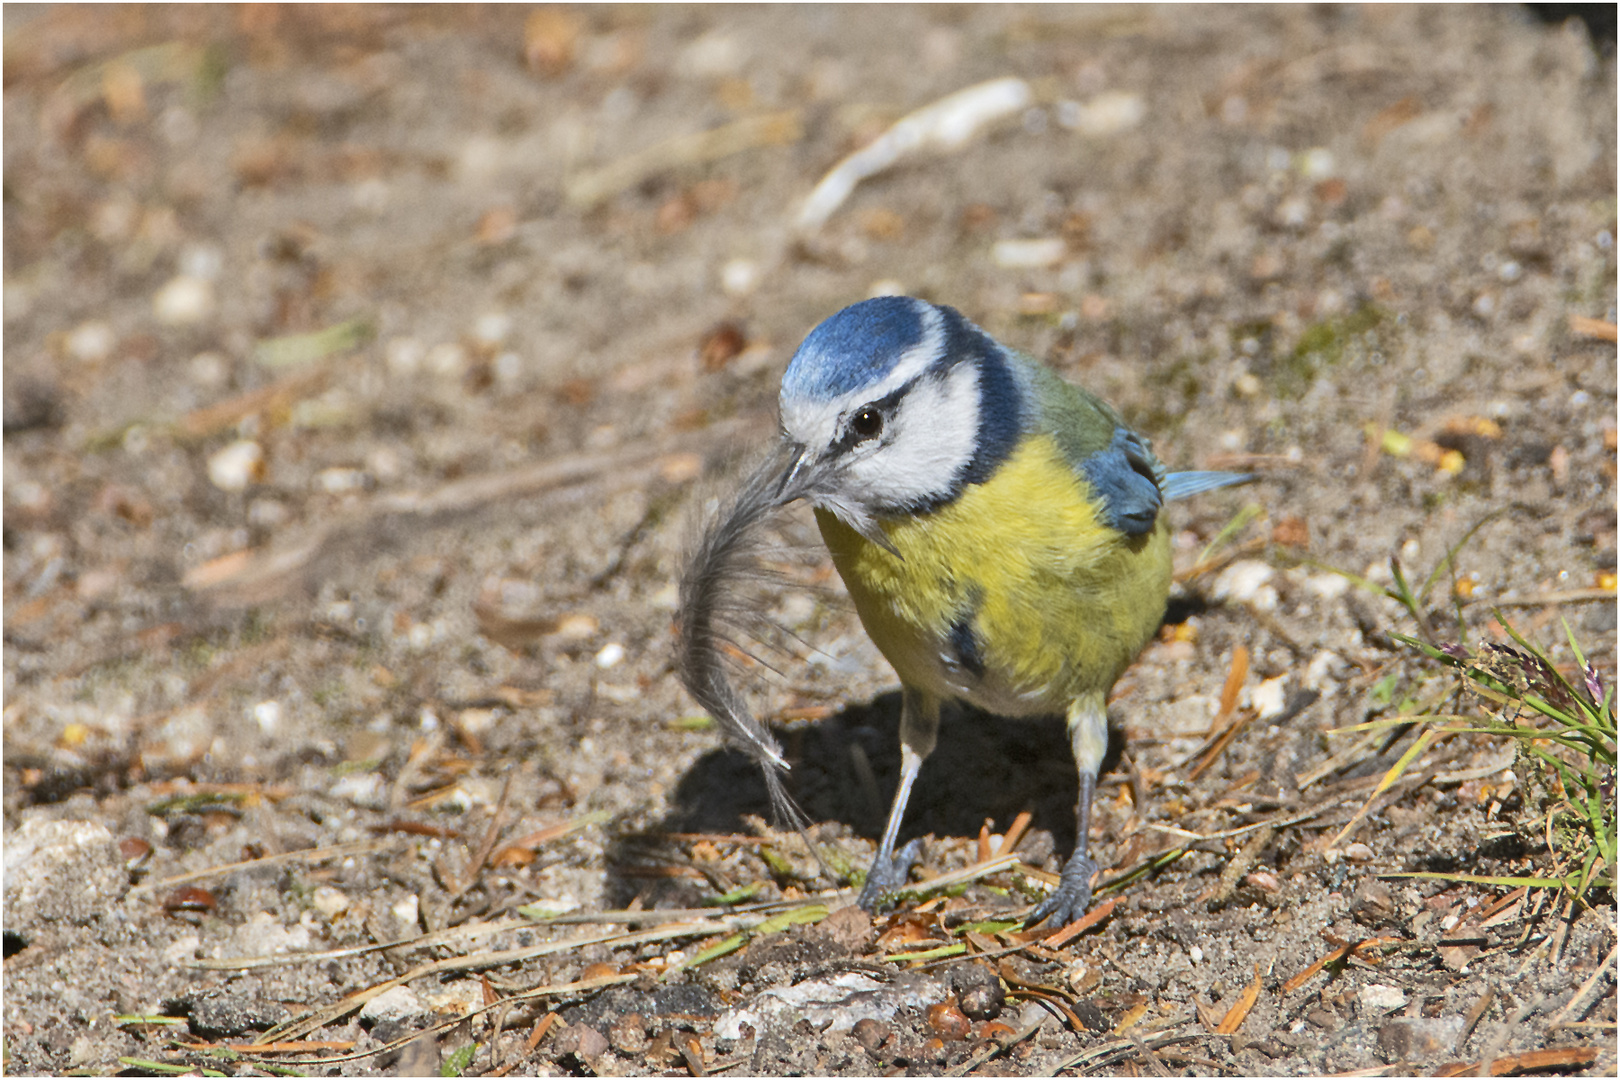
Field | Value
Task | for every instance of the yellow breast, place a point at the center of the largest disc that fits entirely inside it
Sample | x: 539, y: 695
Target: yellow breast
x: 1058, y: 602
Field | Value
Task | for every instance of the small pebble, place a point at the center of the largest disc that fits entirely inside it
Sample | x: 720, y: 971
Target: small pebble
x: 209, y: 369
x: 329, y: 902
x: 1246, y: 582
x: 1316, y: 163
x: 91, y: 342
x: 1382, y: 997
x: 493, y: 327
x: 234, y: 467
x: 184, y: 301
x: 870, y: 1034
x: 408, y: 910
x: 1105, y: 114
x: 189, y: 898
x: 1293, y: 212
x: 1270, y: 698
x: 267, y: 714
x: 1373, y: 902
x: 403, y: 355
x: 135, y: 851
x: 267, y: 513
x: 339, y: 480
x: 1028, y: 254
x: 202, y: 261
x: 739, y: 277
x: 628, y: 1035
x: 397, y: 1004
x: 611, y: 655
x: 978, y: 991
x: 508, y: 369
x: 948, y: 1020
x: 1264, y: 880
x: 447, y: 360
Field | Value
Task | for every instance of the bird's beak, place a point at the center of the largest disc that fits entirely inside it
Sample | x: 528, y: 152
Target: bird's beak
x: 792, y: 472
x: 798, y: 476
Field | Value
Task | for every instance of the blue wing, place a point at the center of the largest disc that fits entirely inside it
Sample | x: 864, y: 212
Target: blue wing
x: 1127, y: 478
x: 1133, y: 485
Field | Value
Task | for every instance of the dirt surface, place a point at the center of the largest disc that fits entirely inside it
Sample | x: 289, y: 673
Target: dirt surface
x: 357, y: 414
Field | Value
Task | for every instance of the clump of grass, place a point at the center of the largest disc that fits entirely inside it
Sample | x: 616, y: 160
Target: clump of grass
x: 1565, y: 732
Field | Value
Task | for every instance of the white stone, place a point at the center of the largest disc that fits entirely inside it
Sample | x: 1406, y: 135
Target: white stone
x: 1382, y: 997
x: 1324, y: 670
x: 337, y: 481
x: 1270, y: 697
x: 329, y: 902
x: 739, y: 277
x: 612, y: 655
x: 447, y: 360
x: 266, y: 935
x: 1028, y: 254
x: 1328, y: 586
x: 403, y: 355
x: 1107, y: 113
x: 408, y: 910
x: 1317, y: 163
x: 839, y: 1001
x: 184, y: 301
x: 209, y: 370
x: 91, y: 342
x: 202, y: 261
x: 396, y: 1004
x: 235, y: 466
x: 492, y: 327
x: 1246, y: 582
x: 267, y: 714
x: 362, y: 789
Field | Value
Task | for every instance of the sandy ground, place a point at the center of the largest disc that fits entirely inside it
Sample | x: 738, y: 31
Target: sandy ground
x: 366, y: 370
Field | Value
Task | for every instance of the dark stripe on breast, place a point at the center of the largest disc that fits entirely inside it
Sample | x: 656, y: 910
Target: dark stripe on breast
x: 965, y: 644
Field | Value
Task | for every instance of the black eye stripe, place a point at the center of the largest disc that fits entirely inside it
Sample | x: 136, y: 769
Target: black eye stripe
x: 883, y: 407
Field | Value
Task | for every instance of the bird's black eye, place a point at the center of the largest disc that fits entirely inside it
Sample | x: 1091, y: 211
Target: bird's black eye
x: 868, y: 423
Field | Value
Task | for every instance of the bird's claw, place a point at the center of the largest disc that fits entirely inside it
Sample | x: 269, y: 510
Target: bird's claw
x: 1071, y: 898
x: 887, y: 877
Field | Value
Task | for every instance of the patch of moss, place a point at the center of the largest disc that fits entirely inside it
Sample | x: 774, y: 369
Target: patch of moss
x: 1320, y: 347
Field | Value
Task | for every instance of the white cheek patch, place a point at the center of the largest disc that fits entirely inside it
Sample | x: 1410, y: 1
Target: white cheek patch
x: 930, y: 442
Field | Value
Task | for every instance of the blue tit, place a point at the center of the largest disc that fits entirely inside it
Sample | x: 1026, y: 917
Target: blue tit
x: 999, y: 530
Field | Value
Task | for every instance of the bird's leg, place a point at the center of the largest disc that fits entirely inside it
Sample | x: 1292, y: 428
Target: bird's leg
x: 919, y: 729
x: 1088, y: 735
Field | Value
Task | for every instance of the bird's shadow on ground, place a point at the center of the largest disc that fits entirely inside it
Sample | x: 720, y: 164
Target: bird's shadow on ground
x: 845, y: 768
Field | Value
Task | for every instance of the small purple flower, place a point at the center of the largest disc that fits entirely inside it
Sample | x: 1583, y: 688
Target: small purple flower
x: 1594, y: 684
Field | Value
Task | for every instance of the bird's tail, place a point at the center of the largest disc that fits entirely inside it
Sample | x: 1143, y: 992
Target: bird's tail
x: 1179, y: 485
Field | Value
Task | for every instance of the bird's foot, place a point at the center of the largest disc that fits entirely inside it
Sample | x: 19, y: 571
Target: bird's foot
x: 1071, y: 898
x: 887, y: 877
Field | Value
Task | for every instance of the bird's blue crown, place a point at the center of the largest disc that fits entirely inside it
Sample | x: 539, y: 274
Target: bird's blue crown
x: 854, y: 348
